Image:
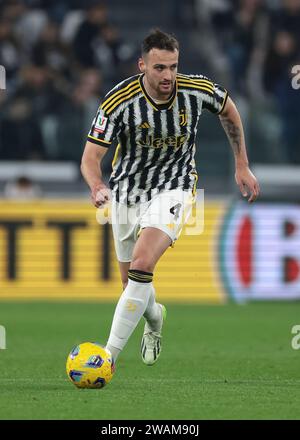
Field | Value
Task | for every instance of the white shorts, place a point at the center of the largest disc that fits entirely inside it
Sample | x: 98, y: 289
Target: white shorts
x: 168, y: 211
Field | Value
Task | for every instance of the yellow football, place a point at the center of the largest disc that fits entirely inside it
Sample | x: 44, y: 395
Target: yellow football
x: 90, y: 365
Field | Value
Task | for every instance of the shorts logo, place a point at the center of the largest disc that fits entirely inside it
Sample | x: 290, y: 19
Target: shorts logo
x: 100, y: 123
x: 130, y: 306
x: 171, y: 226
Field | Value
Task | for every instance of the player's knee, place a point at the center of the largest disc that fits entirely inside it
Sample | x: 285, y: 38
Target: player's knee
x: 142, y: 263
x: 124, y: 284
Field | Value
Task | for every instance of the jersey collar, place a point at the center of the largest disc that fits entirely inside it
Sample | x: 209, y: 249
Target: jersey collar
x: 165, y: 106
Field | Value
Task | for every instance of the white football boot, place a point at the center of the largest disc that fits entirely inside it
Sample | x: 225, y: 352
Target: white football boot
x: 151, y: 341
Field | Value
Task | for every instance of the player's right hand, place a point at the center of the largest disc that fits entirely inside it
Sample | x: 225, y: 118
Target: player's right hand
x: 100, y: 195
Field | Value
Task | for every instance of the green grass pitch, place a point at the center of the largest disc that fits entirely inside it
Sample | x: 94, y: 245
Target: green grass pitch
x: 218, y: 362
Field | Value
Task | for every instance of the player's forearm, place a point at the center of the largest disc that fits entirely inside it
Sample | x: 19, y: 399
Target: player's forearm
x: 91, y: 165
x: 233, y: 127
x: 90, y: 169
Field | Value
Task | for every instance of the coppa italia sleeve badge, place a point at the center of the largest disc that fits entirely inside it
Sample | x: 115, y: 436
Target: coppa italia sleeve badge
x: 100, y: 123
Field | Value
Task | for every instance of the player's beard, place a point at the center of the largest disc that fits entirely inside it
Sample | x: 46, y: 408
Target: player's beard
x: 165, y: 91
x: 159, y: 90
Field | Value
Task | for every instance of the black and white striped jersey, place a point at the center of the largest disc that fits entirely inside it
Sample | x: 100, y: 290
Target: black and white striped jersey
x: 156, y: 142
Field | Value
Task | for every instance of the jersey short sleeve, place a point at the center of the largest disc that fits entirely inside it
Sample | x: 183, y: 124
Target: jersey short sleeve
x: 215, y: 99
x: 211, y: 96
x: 103, y: 129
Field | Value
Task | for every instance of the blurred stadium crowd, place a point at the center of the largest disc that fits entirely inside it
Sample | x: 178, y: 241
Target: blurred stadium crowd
x: 62, y: 56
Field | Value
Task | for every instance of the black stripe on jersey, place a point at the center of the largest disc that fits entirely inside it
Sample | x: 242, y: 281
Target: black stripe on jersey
x: 154, y: 162
x: 183, y: 165
x: 158, y: 152
x: 170, y: 123
x: 194, y: 111
x: 157, y: 125
x: 131, y: 142
x: 188, y: 179
x: 118, y: 171
x: 178, y: 160
x: 182, y: 106
x: 169, y: 171
x: 157, y: 134
x: 170, y: 151
x: 144, y: 118
x: 145, y: 150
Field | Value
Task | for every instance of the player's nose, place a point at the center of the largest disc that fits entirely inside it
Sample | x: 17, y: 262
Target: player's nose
x: 167, y: 75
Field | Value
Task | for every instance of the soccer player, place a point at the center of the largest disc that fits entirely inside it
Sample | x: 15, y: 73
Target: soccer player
x: 154, y: 116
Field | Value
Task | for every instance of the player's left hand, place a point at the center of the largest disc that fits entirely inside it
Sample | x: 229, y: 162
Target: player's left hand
x: 247, y: 183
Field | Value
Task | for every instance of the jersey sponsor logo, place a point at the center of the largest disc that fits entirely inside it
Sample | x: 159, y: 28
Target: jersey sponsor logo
x: 170, y: 141
x: 100, y: 123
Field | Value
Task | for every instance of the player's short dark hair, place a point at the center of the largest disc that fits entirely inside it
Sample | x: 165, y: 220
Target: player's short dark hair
x: 159, y: 40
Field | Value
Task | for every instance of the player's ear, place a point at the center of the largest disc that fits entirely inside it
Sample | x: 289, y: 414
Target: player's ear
x: 141, y: 64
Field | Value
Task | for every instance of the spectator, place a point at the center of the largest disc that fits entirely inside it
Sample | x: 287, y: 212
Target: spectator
x: 283, y: 53
x: 10, y: 53
x: 22, y: 189
x: 27, y: 23
x: 20, y: 135
x: 45, y: 95
x: 50, y: 52
x: 83, y: 103
x: 241, y: 42
x: 112, y: 54
x: 88, y: 31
